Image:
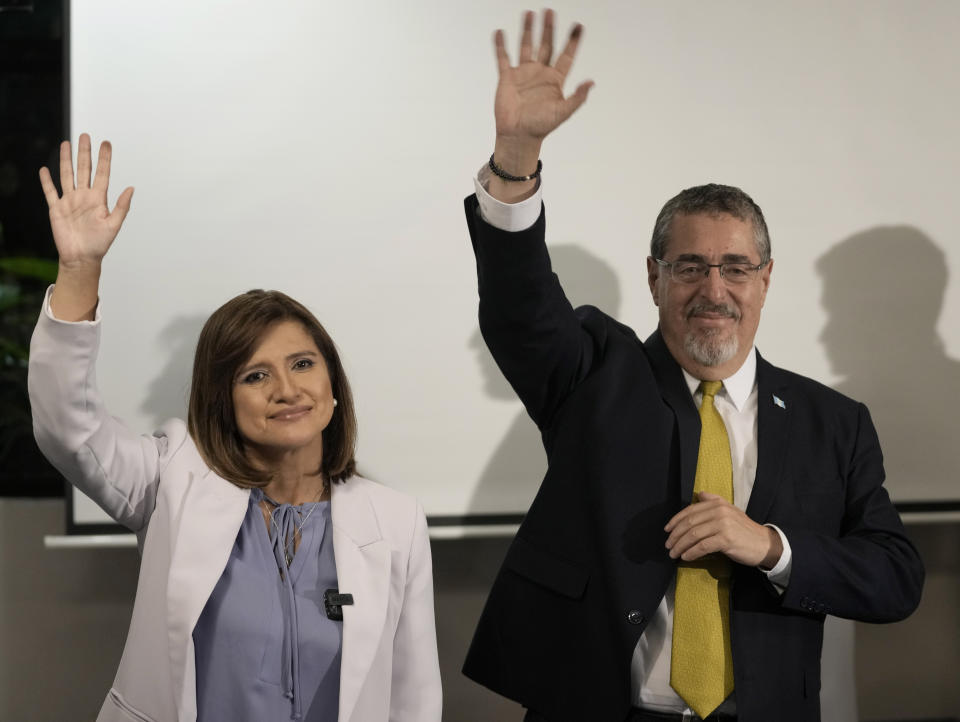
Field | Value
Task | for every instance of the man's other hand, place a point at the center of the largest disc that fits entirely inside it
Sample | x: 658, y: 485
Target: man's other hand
x: 712, y: 524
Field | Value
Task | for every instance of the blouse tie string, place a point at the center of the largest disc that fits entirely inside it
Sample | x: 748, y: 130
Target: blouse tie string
x: 283, y: 528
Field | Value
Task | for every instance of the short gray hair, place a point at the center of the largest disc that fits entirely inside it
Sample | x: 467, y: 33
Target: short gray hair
x: 711, y: 199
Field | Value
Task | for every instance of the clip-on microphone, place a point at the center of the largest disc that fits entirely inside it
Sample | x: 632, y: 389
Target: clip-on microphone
x: 333, y: 603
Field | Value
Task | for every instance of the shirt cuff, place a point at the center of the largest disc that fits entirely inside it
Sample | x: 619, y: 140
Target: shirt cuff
x: 510, y: 217
x: 48, y: 312
x: 779, y: 576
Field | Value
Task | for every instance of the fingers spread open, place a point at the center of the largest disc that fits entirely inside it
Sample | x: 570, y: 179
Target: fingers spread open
x: 84, y: 161
x: 578, y: 98
x: 102, y: 177
x: 526, y: 40
x: 546, y: 39
x: 66, y: 167
x: 503, y: 60
x: 122, y: 207
x: 49, y: 189
x: 565, y: 61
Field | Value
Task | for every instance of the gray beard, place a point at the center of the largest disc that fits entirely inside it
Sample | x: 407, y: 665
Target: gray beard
x: 708, y: 348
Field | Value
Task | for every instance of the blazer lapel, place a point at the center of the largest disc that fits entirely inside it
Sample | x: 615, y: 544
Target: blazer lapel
x: 773, y: 427
x: 212, y: 512
x: 363, y: 570
x: 676, y: 394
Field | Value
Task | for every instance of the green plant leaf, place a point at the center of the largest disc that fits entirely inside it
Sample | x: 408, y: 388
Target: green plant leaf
x: 28, y: 267
x: 9, y: 294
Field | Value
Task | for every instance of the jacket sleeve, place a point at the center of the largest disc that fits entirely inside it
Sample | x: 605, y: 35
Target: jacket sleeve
x: 540, y: 343
x: 871, y: 571
x: 415, y: 694
x: 116, y: 468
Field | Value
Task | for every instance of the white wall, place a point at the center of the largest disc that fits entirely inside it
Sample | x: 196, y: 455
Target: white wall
x: 324, y: 148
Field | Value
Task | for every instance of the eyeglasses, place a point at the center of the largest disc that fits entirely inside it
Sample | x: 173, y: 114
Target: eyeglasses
x: 696, y: 271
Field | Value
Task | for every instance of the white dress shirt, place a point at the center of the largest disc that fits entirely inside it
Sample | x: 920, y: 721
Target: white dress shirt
x: 737, y: 405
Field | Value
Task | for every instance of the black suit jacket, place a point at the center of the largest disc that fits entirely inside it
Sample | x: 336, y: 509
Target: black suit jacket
x: 588, y: 567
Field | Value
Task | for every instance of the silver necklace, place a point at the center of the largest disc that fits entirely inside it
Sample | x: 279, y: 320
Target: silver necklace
x: 290, y: 543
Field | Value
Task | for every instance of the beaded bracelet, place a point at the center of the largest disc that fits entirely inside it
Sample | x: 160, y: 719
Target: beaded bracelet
x: 507, y: 177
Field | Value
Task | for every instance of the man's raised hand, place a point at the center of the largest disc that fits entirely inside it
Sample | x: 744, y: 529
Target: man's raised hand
x: 529, y: 101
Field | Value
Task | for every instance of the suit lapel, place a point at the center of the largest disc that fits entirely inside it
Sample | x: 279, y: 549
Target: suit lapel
x: 676, y: 394
x: 363, y: 570
x: 773, y: 426
x: 212, y: 512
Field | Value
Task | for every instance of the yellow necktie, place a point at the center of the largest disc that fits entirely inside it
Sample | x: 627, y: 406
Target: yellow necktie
x: 701, y: 668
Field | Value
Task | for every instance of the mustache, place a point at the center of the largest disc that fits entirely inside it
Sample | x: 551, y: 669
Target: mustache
x: 716, y: 308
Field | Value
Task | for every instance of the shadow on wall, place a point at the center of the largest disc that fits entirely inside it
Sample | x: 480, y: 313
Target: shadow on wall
x: 170, y: 391
x: 515, y: 470
x: 883, y: 292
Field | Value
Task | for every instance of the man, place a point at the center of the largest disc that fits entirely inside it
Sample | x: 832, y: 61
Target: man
x: 619, y: 598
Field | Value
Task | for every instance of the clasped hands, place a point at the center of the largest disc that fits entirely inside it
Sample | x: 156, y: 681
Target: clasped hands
x: 711, y: 524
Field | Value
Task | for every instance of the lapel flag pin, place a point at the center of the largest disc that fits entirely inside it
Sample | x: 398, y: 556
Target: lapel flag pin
x: 779, y: 402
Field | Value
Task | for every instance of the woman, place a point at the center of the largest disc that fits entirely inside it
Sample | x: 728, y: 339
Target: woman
x: 275, y: 583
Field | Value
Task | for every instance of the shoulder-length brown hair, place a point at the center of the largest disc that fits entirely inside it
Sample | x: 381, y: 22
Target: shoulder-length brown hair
x: 228, y: 339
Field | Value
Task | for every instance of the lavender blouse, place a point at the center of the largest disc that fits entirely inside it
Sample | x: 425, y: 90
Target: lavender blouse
x: 265, y: 649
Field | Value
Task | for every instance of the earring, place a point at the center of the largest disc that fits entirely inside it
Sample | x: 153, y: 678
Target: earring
x: 334, y: 402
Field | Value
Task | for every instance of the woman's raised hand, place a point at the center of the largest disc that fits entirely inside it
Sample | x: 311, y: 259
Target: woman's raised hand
x: 83, y: 228
x: 82, y: 224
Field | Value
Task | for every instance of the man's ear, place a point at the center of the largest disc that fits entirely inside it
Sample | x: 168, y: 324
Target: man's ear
x: 653, y: 276
x: 765, y: 280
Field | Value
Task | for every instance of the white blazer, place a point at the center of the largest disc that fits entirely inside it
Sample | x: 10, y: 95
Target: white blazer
x: 187, y: 518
